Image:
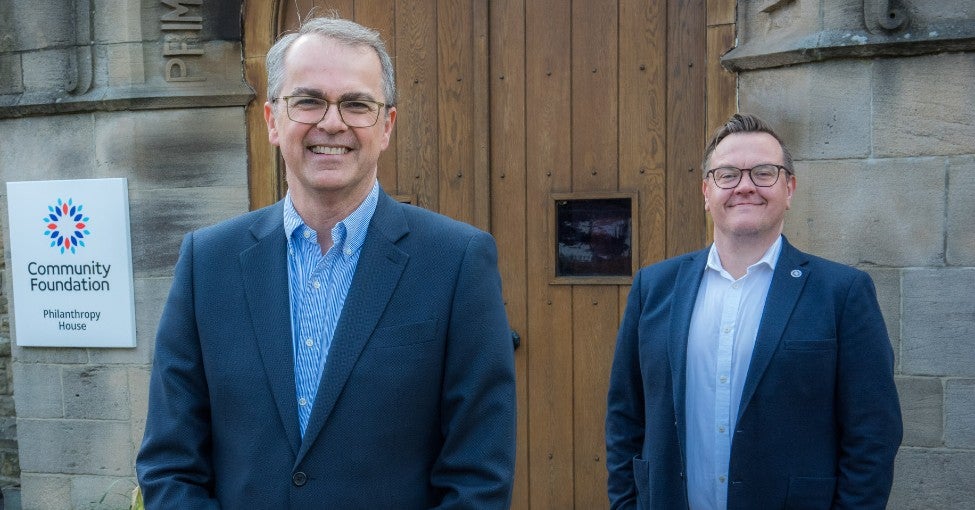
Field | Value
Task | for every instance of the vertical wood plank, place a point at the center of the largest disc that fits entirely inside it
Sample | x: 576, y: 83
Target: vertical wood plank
x: 721, y: 83
x: 416, y: 75
x: 595, y: 167
x: 643, y: 120
x: 509, y: 215
x: 548, y: 158
x: 594, y: 96
x: 480, y: 116
x: 685, y: 125
x: 721, y: 12
x: 380, y: 15
x: 596, y: 319
x: 455, y: 101
x: 260, y: 21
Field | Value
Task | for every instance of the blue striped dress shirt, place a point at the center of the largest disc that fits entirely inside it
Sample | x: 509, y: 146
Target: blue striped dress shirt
x: 318, y: 287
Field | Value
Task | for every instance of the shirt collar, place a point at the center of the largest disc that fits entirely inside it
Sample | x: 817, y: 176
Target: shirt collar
x: 769, y: 259
x: 349, y: 233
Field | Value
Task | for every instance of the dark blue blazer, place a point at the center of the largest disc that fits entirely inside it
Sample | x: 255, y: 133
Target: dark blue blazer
x: 819, y: 421
x: 416, y: 407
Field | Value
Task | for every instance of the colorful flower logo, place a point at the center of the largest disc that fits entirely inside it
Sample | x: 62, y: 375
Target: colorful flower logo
x: 66, y: 226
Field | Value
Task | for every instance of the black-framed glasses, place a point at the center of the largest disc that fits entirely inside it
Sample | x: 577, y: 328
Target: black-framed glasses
x: 763, y: 176
x: 353, y: 112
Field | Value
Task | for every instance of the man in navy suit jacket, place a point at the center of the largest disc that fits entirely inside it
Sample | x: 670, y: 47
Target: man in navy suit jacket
x: 337, y: 349
x: 751, y: 375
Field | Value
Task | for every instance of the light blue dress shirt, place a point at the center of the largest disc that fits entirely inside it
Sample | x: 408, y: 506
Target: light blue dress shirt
x: 720, y: 342
x: 318, y: 287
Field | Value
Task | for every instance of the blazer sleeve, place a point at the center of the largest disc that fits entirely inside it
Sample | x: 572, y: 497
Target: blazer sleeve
x: 172, y: 465
x: 625, y: 422
x: 475, y: 468
x: 867, y: 404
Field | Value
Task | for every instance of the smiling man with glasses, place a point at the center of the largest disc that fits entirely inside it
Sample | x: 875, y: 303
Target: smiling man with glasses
x: 337, y: 349
x: 750, y: 374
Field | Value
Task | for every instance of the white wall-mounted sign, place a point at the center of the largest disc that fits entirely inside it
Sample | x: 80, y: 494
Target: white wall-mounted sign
x: 71, y: 261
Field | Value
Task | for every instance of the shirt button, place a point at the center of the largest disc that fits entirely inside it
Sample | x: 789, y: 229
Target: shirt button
x: 316, y: 284
x: 309, y: 342
x: 306, y: 233
x: 302, y: 401
x: 721, y: 429
x: 727, y: 330
x: 348, y: 251
x: 735, y: 285
x: 723, y: 379
x: 721, y: 479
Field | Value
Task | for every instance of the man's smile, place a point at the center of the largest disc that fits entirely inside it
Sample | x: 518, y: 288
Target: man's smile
x: 329, y: 150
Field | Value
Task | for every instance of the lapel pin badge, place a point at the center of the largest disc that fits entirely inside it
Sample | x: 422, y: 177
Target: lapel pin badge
x: 796, y: 273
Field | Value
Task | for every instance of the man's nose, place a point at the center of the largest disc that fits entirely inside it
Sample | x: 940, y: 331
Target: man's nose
x: 332, y: 121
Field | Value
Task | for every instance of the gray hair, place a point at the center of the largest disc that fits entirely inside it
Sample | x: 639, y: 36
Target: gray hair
x: 745, y: 123
x: 346, y: 32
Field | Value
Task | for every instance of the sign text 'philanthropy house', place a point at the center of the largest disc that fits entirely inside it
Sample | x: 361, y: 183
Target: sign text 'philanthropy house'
x: 71, y: 261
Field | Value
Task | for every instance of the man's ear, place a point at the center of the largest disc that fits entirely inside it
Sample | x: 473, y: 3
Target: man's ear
x: 704, y: 191
x: 272, y: 126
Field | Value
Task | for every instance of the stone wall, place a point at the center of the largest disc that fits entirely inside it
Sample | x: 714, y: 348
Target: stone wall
x: 92, y: 89
x: 886, y: 174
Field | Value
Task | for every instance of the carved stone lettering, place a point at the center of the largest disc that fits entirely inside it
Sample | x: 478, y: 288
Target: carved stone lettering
x: 182, y: 38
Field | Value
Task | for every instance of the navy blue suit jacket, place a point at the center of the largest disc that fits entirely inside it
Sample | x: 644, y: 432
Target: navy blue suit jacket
x: 819, y: 420
x: 416, y: 406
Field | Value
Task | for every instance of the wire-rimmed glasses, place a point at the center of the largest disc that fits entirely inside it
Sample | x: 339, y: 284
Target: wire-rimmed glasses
x: 353, y: 112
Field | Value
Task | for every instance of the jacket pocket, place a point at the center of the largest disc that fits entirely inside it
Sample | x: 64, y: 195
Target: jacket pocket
x: 810, y: 493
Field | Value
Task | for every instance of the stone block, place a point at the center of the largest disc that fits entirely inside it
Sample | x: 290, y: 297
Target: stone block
x: 38, y: 390
x: 91, y: 447
x: 933, y: 479
x: 117, y: 21
x: 139, y: 402
x: 6, y: 375
x: 66, y: 355
x: 938, y: 332
x: 54, y: 70
x: 922, y: 410
x: 124, y: 65
x: 101, y: 492
x: 11, y: 74
x: 190, y: 148
x: 48, y: 148
x: 45, y: 492
x: 837, y: 212
x: 817, y: 115
x: 888, y: 284
x: 160, y: 219
x: 961, y: 211
x: 93, y: 392
x: 34, y: 25
x: 924, y: 105
x: 960, y: 413
x: 9, y: 463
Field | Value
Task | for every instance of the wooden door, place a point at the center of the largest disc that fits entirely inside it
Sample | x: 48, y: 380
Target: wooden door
x: 506, y: 107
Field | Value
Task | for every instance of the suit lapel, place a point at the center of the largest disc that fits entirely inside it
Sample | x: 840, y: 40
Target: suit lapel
x: 788, y: 279
x: 381, y: 263
x: 686, y: 286
x: 265, y: 270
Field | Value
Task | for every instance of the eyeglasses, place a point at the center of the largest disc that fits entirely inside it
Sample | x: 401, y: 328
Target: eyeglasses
x: 763, y: 176
x: 353, y: 112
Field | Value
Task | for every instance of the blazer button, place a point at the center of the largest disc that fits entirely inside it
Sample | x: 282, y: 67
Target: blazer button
x: 299, y: 478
